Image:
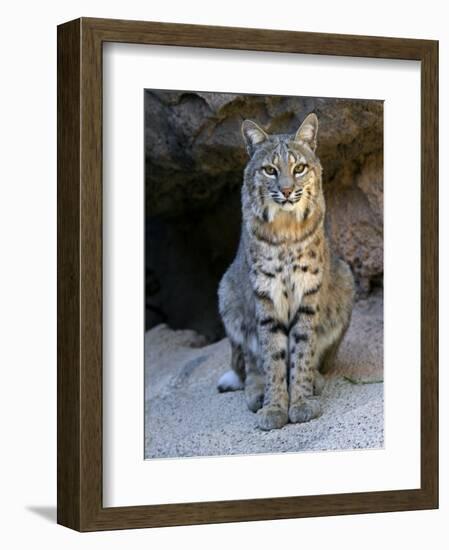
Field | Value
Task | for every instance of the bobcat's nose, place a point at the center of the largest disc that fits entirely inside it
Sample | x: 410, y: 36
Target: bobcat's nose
x: 286, y: 191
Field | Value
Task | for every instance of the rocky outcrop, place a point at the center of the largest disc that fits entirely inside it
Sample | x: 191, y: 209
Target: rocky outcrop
x: 194, y: 160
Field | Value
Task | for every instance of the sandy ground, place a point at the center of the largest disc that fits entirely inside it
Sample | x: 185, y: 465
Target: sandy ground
x: 186, y: 416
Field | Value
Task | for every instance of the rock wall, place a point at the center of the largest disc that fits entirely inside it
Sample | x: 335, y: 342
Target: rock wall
x: 194, y: 161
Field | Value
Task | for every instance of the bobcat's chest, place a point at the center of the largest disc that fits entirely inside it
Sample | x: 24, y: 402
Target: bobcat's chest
x: 287, y: 292
x: 285, y: 281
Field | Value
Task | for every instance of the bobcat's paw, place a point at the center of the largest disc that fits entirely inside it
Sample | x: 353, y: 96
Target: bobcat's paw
x: 318, y: 384
x: 304, y: 411
x: 229, y: 381
x: 254, y: 401
x: 254, y: 393
x: 271, y: 417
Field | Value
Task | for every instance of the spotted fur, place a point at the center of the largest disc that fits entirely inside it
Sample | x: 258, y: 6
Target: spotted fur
x: 286, y: 300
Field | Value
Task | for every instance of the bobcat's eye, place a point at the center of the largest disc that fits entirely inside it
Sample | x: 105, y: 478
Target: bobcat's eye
x: 300, y: 169
x: 269, y: 170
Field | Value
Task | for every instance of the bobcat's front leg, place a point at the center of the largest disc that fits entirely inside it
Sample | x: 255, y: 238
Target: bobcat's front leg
x: 302, y: 340
x: 273, y: 342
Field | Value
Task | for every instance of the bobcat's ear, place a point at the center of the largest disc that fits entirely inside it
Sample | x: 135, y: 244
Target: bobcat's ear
x: 253, y: 135
x: 308, y: 131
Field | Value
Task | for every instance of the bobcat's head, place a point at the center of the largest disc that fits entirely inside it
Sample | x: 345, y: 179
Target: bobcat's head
x: 283, y: 173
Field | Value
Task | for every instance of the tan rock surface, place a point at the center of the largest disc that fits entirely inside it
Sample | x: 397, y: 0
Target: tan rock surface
x: 186, y: 416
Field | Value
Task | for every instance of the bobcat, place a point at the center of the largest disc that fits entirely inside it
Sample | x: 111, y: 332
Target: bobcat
x: 286, y: 300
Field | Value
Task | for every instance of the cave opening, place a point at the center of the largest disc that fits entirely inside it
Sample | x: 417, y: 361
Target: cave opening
x: 186, y: 256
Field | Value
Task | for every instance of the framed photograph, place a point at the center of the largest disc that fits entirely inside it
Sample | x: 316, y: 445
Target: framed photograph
x: 247, y: 274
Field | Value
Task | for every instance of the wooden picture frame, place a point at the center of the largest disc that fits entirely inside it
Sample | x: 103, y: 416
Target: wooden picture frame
x: 80, y: 503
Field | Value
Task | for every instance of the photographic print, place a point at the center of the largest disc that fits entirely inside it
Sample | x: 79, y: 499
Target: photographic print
x: 263, y: 274
x: 221, y: 273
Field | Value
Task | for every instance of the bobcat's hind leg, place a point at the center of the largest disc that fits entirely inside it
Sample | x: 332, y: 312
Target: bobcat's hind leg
x: 327, y: 360
x: 318, y: 383
x: 254, y: 384
x: 233, y: 379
